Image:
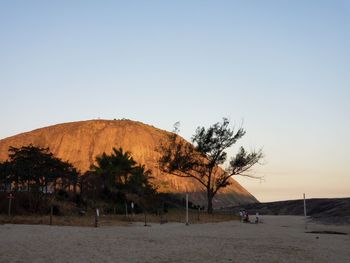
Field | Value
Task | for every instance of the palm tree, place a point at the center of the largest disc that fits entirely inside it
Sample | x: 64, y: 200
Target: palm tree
x: 115, y: 169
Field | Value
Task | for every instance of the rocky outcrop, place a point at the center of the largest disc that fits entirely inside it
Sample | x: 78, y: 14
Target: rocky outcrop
x: 80, y: 142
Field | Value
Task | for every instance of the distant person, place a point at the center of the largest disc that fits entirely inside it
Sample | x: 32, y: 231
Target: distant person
x: 257, y: 218
x: 246, y: 217
x: 241, y: 215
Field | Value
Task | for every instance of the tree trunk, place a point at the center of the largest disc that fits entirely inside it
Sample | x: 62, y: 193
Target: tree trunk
x: 210, y: 202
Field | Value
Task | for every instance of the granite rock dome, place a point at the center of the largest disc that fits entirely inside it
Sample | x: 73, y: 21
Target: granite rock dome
x: 80, y: 142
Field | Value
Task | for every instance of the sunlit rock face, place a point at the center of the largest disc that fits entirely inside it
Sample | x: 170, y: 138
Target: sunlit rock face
x: 80, y: 142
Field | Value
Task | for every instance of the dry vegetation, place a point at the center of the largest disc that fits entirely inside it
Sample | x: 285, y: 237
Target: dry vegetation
x: 175, y: 215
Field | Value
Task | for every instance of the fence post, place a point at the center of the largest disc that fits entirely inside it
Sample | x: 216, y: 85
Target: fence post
x: 304, y: 206
x: 51, y: 213
x: 97, y: 215
x: 305, y: 216
x: 126, y: 209
x: 10, y: 204
x: 187, y: 210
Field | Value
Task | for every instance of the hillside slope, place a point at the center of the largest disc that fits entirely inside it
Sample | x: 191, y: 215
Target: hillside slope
x: 328, y: 210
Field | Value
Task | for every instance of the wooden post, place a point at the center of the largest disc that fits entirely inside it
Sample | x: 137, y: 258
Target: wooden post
x: 186, y: 209
x: 132, y: 209
x: 126, y: 209
x: 97, y: 215
x: 305, y: 216
x: 10, y: 204
x: 51, y: 213
x: 304, y: 207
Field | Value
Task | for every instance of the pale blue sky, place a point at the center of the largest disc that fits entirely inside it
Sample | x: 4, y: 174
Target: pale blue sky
x: 281, y: 66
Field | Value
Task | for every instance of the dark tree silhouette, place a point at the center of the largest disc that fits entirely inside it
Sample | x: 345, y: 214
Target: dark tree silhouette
x: 202, y: 159
x: 91, y: 185
x: 120, y: 173
x: 34, y: 169
x: 5, y: 175
x: 115, y: 169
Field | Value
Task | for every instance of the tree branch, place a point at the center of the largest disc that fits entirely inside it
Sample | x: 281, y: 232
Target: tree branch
x: 187, y: 175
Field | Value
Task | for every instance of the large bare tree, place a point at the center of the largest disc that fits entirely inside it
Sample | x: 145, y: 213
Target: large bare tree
x: 203, y: 159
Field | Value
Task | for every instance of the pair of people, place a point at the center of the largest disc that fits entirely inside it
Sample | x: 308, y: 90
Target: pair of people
x: 245, y: 217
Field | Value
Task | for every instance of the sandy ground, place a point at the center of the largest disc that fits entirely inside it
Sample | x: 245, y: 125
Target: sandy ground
x: 278, y: 239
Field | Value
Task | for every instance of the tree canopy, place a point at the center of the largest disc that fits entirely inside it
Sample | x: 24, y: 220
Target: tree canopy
x: 115, y: 178
x: 35, y: 169
x: 203, y: 159
x: 121, y: 174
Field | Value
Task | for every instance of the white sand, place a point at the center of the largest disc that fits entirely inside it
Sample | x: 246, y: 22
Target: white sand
x: 278, y: 239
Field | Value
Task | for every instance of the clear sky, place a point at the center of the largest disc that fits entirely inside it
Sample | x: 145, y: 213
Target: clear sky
x: 282, y: 67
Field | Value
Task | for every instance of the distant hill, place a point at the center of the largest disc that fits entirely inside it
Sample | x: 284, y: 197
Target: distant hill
x: 323, y: 209
x: 80, y: 142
